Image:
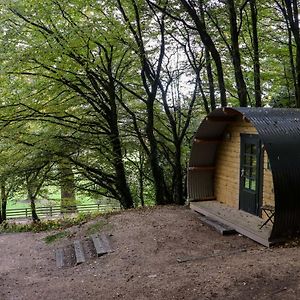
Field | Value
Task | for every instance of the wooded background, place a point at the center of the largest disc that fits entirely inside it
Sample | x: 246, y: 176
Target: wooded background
x: 103, y: 96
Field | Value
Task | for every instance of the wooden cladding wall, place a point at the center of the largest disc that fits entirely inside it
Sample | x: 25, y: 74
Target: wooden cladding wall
x: 227, y: 173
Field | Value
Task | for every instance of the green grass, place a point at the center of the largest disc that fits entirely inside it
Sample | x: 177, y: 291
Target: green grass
x: 96, y: 227
x: 17, y: 204
x: 56, y: 236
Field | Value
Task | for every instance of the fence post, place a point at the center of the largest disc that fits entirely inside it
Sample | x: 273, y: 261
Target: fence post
x: 50, y: 211
x: 26, y: 212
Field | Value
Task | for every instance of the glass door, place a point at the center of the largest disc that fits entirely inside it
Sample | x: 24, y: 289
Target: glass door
x: 250, y: 174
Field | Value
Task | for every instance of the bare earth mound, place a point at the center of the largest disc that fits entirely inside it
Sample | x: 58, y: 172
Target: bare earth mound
x: 161, y: 253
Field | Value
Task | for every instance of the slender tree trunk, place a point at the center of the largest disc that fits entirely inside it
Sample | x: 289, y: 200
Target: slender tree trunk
x: 3, y: 201
x: 210, y: 78
x: 209, y: 44
x: 141, y: 180
x: 292, y: 16
x: 292, y: 63
x: 297, y: 91
x: 208, y: 67
x: 205, y: 102
x: 31, y: 196
x: 67, y: 187
x: 3, y: 209
x: 236, y: 57
x: 32, y: 199
x: 287, y: 83
x: 296, y: 32
x: 34, y: 215
x: 257, y: 86
x: 178, y: 180
x: 141, y: 188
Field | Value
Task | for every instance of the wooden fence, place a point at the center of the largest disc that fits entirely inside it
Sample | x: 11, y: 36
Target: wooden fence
x: 55, y: 210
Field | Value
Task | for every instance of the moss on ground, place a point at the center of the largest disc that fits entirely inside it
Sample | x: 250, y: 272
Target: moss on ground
x: 56, y: 236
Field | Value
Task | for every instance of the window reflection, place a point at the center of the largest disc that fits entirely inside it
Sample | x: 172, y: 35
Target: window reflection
x: 249, y: 167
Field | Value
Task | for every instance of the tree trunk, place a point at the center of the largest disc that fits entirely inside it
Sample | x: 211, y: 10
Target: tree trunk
x: 297, y: 91
x: 209, y: 44
x: 205, y: 102
x: 141, y: 180
x: 161, y: 193
x: 292, y: 63
x: 257, y: 86
x: 178, y: 180
x: 31, y: 196
x: 67, y: 187
x: 292, y: 16
x: 121, y: 180
x: 141, y: 188
x: 3, y: 201
x: 208, y: 67
x: 235, y: 54
x: 296, y: 32
x: 3, y: 209
x: 210, y: 78
x: 34, y: 215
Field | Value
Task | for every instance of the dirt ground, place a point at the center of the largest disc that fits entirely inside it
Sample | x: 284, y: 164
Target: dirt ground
x: 161, y: 253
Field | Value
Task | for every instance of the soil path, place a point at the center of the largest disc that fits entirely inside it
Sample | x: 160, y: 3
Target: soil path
x: 144, y: 265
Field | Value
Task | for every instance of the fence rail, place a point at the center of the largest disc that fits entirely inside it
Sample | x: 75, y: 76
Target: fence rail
x: 56, y: 210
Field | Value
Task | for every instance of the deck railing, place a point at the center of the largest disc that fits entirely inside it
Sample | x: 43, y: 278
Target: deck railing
x: 55, y: 210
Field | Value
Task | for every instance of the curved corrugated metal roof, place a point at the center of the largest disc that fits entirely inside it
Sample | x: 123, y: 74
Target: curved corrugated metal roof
x: 279, y: 131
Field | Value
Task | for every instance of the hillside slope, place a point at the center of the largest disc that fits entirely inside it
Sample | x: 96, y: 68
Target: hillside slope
x: 144, y: 265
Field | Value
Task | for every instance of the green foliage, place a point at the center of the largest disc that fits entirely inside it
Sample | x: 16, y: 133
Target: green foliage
x: 284, y: 98
x: 57, y: 224
x: 74, y: 81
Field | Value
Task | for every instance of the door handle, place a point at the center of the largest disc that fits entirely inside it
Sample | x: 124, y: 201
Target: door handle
x: 242, y: 172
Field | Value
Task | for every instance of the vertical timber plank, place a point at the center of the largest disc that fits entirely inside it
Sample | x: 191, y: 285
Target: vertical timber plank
x: 99, y: 246
x: 106, y: 242
x: 59, y: 256
x: 79, y: 254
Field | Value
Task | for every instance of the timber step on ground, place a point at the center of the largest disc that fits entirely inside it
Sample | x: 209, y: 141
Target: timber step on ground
x: 82, y: 250
x: 216, y: 225
x: 79, y: 253
x: 101, y: 244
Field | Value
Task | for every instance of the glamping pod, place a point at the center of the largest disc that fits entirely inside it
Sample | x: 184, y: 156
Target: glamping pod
x: 244, y: 171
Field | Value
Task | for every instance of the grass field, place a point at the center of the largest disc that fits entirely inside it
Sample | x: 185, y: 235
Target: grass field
x: 52, y: 198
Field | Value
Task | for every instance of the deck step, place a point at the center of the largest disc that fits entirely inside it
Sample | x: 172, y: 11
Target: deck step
x: 59, y: 256
x: 79, y: 254
x: 218, y: 226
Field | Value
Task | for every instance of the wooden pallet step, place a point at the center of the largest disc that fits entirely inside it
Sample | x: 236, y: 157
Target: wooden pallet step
x: 79, y: 254
x: 218, y: 226
x: 99, y: 246
x: 59, y: 256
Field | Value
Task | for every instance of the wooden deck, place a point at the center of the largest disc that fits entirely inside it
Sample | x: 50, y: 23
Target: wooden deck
x: 243, y: 222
